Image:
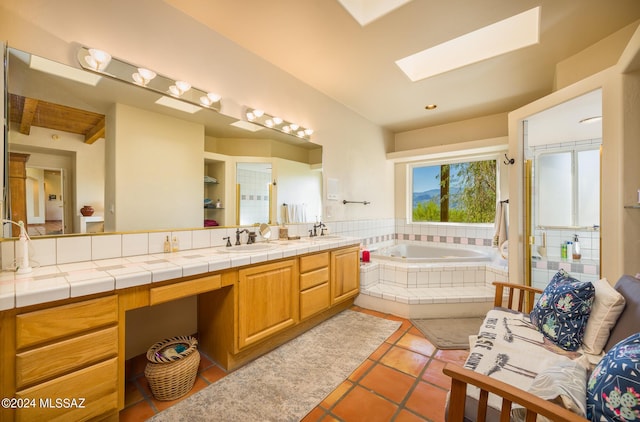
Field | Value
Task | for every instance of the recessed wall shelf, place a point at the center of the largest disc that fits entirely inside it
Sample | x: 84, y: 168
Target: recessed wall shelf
x: 635, y: 206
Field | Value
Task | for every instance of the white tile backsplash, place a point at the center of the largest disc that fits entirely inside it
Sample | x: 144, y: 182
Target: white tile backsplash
x: 73, y: 249
x: 44, y: 252
x: 106, y: 246
x: 135, y: 244
x: 200, y: 239
x: 64, y: 250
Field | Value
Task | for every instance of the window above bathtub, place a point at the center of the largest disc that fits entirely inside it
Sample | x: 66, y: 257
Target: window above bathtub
x: 462, y: 191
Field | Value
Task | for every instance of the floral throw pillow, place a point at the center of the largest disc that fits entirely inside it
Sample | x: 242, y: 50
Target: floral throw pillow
x: 562, y: 311
x: 613, y: 390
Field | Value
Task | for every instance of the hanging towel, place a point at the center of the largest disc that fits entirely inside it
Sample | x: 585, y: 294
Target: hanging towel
x: 500, y: 235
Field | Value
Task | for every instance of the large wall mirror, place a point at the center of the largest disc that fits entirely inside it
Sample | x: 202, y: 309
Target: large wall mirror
x: 80, y: 139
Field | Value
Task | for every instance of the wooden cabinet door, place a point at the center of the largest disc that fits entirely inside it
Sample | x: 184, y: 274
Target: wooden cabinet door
x: 267, y: 301
x: 345, y: 274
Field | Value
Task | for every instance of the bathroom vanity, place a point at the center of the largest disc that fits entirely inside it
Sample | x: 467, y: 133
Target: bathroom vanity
x: 64, y: 359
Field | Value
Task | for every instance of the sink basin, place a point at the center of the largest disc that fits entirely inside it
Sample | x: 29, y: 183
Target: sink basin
x: 322, y: 238
x: 254, y: 247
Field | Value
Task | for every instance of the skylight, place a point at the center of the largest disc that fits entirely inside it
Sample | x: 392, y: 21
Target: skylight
x: 502, y: 37
x: 366, y: 11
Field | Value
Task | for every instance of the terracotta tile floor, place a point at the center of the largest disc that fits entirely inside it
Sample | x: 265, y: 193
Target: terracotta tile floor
x: 401, y: 381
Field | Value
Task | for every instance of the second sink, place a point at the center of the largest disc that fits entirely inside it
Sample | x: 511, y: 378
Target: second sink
x: 253, y: 247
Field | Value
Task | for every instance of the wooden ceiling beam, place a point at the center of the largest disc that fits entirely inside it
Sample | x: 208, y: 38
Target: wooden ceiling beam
x: 28, y: 113
x: 96, y: 132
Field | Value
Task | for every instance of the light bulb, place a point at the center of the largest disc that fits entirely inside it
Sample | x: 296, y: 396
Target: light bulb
x: 97, y: 59
x: 294, y: 126
x: 143, y: 76
x: 250, y: 116
x: 214, y: 97
x: 308, y: 132
x: 183, y: 86
x: 277, y: 120
x: 286, y: 129
x: 146, y: 74
x: 301, y: 133
x: 258, y: 112
x: 269, y: 123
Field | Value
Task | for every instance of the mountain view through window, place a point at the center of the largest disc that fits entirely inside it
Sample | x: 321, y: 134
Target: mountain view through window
x: 459, y: 192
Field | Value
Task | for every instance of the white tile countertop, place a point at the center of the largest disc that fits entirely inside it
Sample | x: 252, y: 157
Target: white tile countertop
x: 62, y: 281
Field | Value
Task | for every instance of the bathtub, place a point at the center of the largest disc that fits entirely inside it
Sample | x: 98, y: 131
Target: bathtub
x: 430, y: 280
x: 411, y: 253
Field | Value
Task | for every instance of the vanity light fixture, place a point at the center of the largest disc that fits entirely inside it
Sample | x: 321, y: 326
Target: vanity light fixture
x: 259, y: 117
x: 143, y: 76
x: 193, y: 99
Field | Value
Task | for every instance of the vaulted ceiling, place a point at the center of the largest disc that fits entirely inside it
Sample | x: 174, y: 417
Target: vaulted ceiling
x: 323, y: 45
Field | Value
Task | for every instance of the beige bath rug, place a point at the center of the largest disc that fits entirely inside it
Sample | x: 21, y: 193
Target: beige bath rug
x: 449, y: 333
x: 287, y: 383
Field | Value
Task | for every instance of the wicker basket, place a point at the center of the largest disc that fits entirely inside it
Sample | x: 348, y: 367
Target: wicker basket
x: 171, y: 377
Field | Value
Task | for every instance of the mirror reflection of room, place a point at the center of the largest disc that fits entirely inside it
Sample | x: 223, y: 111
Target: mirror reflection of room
x: 91, y: 128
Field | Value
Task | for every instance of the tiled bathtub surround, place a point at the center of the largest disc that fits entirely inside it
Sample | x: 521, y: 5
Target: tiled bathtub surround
x: 430, y: 290
x: 462, y: 234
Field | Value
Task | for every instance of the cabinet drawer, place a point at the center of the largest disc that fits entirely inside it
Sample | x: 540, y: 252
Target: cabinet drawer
x: 314, y: 278
x: 314, y: 300
x: 313, y: 262
x: 94, y: 388
x: 54, y: 359
x: 184, y: 289
x: 49, y: 324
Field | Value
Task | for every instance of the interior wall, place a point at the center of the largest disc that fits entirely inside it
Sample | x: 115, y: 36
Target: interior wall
x: 486, y: 127
x: 156, y: 151
x: 601, y: 55
x: 631, y: 173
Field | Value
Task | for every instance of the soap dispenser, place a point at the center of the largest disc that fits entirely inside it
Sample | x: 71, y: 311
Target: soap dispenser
x: 576, y: 255
x: 175, y: 246
x: 167, y: 245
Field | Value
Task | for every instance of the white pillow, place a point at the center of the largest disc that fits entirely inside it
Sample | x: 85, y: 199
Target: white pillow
x: 607, y: 307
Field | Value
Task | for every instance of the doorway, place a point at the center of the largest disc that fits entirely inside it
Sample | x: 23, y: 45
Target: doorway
x: 45, y: 201
x: 562, y: 149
